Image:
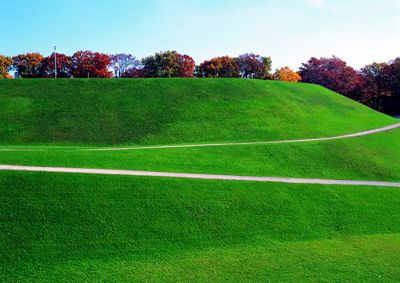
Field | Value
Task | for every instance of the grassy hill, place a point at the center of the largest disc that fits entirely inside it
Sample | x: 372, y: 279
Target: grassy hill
x: 154, y: 111
x: 72, y: 227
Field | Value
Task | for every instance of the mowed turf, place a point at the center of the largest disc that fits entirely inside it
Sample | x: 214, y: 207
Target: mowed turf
x: 58, y: 227
x: 375, y: 158
x: 72, y: 227
x: 165, y: 111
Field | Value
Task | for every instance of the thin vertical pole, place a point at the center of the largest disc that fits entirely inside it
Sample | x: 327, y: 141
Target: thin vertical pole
x: 55, y: 62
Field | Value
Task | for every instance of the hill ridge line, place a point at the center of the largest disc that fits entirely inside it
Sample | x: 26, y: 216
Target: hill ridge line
x: 198, y: 176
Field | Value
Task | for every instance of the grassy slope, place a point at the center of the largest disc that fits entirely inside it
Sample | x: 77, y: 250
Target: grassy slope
x: 103, y: 112
x: 109, y: 228
x: 374, y: 157
x: 120, y: 228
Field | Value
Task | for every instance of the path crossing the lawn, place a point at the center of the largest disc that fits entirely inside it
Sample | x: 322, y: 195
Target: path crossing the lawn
x: 197, y: 176
x: 358, y: 134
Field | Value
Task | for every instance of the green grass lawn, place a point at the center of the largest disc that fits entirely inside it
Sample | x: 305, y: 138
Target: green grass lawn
x: 165, y: 111
x: 91, y: 228
x: 110, y: 228
x: 375, y: 157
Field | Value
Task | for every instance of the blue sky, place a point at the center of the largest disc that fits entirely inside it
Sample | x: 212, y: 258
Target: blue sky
x: 290, y: 31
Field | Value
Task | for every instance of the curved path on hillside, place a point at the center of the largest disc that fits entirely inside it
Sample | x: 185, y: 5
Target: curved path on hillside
x: 359, y: 134
x: 197, y: 176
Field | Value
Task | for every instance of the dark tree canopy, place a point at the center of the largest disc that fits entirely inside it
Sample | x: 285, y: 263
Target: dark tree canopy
x: 168, y: 64
x: 373, y: 84
x: 133, y: 73
x: 332, y: 73
x: 219, y: 67
x: 28, y: 65
x: 63, y: 66
x: 254, y: 66
x: 391, y: 80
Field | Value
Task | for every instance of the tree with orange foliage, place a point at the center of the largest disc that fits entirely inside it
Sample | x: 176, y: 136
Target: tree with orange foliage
x: 220, y: 67
x: 287, y: 75
x: 28, y: 65
x: 5, y: 64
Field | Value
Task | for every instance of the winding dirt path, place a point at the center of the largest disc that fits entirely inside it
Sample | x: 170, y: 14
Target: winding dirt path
x: 197, y: 176
x: 359, y: 134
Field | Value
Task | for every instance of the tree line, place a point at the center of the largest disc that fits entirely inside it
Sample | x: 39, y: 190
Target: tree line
x: 376, y: 85
x: 169, y: 64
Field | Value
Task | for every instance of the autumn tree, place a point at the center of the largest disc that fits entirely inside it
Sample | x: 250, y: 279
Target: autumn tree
x: 220, y: 67
x: 28, y: 65
x: 168, y: 64
x: 391, y: 75
x: 332, y: 73
x: 391, y: 82
x: 122, y: 62
x: 374, y: 85
x: 64, y: 65
x: 254, y: 66
x: 133, y: 73
x: 5, y: 65
x: 186, y: 66
x: 287, y: 75
x: 88, y: 64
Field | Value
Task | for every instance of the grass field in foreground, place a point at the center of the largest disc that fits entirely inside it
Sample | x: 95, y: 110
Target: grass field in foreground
x: 170, y: 111
x: 114, y: 228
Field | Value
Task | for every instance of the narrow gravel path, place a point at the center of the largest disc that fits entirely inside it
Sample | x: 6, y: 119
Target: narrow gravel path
x: 197, y: 176
x: 359, y: 134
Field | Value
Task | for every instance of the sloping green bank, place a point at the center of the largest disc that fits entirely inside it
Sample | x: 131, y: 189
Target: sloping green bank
x: 165, y: 111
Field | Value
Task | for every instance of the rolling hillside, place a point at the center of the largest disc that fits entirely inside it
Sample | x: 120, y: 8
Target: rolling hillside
x: 59, y: 227
x: 154, y: 111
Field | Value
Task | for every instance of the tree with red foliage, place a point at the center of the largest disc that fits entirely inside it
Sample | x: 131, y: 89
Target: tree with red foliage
x: 220, y: 67
x: 64, y: 65
x: 186, y: 66
x: 133, y: 73
x: 28, y: 65
x: 168, y: 64
x: 332, y: 73
x: 88, y: 64
x: 252, y: 66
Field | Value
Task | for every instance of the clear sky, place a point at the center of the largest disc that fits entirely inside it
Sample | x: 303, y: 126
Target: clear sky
x: 290, y: 31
